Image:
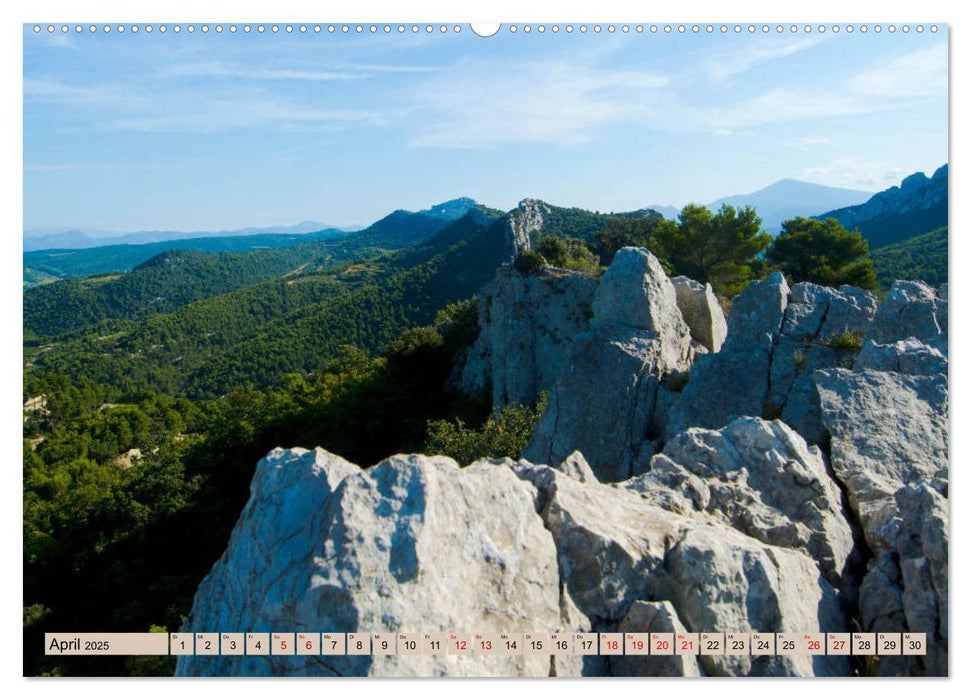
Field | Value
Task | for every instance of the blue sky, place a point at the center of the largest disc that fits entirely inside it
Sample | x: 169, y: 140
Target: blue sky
x: 221, y: 131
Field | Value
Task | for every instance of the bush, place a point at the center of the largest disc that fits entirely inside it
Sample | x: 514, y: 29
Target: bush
x: 504, y: 434
x: 529, y: 263
x: 850, y: 342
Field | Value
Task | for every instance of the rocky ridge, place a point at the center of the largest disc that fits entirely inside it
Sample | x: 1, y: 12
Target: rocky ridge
x: 797, y: 482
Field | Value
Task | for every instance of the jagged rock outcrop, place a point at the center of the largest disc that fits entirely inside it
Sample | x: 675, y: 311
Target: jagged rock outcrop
x: 777, y: 338
x: 413, y: 544
x: 523, y: 223
x: 701, y: 311
x: 760, y: 478
x: 735, y: 381
x: 417, y: 544
x: 716, y: 577
x: 663, y: 511
x: 912, y: 310
x: 889, y: 448
x: 527, y: 324
x: 603, y: 401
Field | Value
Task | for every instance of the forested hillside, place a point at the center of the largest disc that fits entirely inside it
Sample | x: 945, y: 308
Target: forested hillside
x: 175, y: 278
x: 921, y: 257
x: 41, y: 265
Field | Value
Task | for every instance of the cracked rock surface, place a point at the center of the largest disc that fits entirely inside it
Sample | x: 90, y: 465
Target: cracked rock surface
x: 798, y: 482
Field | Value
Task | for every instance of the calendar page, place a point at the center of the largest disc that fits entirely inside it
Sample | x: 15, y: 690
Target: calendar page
x: 438, y: 349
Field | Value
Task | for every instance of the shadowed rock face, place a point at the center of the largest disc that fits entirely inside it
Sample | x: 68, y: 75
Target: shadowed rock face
x: 604, y: 398
x: 527, y: 325
x: 831, y: 517
x: 777, y: 337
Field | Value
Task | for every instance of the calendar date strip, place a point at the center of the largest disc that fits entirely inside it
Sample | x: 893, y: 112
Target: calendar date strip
x: 487, y: 644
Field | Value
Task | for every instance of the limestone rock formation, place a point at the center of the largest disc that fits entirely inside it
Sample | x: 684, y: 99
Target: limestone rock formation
x: 702, y: 312
x: 417, y: 544
x: 798, y: 482
x: 603, y: 401
x: 889, y: 448
x: 760, y: 478
x: 524, y: 222
x: 413, y: 544
x: 735, y: 381
x: 777, y: 337
x: 912, y: 309
x: 526, y: 327
x: 716, y: 577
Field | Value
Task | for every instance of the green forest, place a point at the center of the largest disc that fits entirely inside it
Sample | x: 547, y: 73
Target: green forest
x: 150, y: 395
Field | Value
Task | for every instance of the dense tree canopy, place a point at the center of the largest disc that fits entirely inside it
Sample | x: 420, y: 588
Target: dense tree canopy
x: 719, y: 247
x: 622, y: 231
x: 824, y: 252
x: 722, y: 248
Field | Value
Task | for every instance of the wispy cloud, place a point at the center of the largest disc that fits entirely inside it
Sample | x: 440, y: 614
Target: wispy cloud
x: 856, y: 172
x: 807, y: 143
x: 534, y: 103
x: 226, y: 70
x: 211, y: 69
x: 755, y: 52
x: 247, y: 113
x: 916, y: 74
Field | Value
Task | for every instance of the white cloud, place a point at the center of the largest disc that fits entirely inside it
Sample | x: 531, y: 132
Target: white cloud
x: 472, y: 107
x: 755, y: 52
x: 214, y: 69
x: 917, y: 74
x: 855, y: 172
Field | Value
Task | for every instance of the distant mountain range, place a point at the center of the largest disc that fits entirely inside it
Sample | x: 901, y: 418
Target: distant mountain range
x: 53, y: 238
x: 48, y: 238
x: 783, y: 200
x: 399, y: 229
x: 917, y: 206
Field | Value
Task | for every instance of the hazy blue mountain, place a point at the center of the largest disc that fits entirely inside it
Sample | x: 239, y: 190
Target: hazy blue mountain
x: 397, y: 230
x: 788, y: 198
x: 668, y: 212
x: 48, y: 238
x: 917, y: 206
x: 451, y: 210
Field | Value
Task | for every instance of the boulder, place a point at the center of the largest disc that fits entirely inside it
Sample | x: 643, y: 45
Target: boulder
x: 635, y: 293
x: 701, y: 311
x: 411, y: 545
